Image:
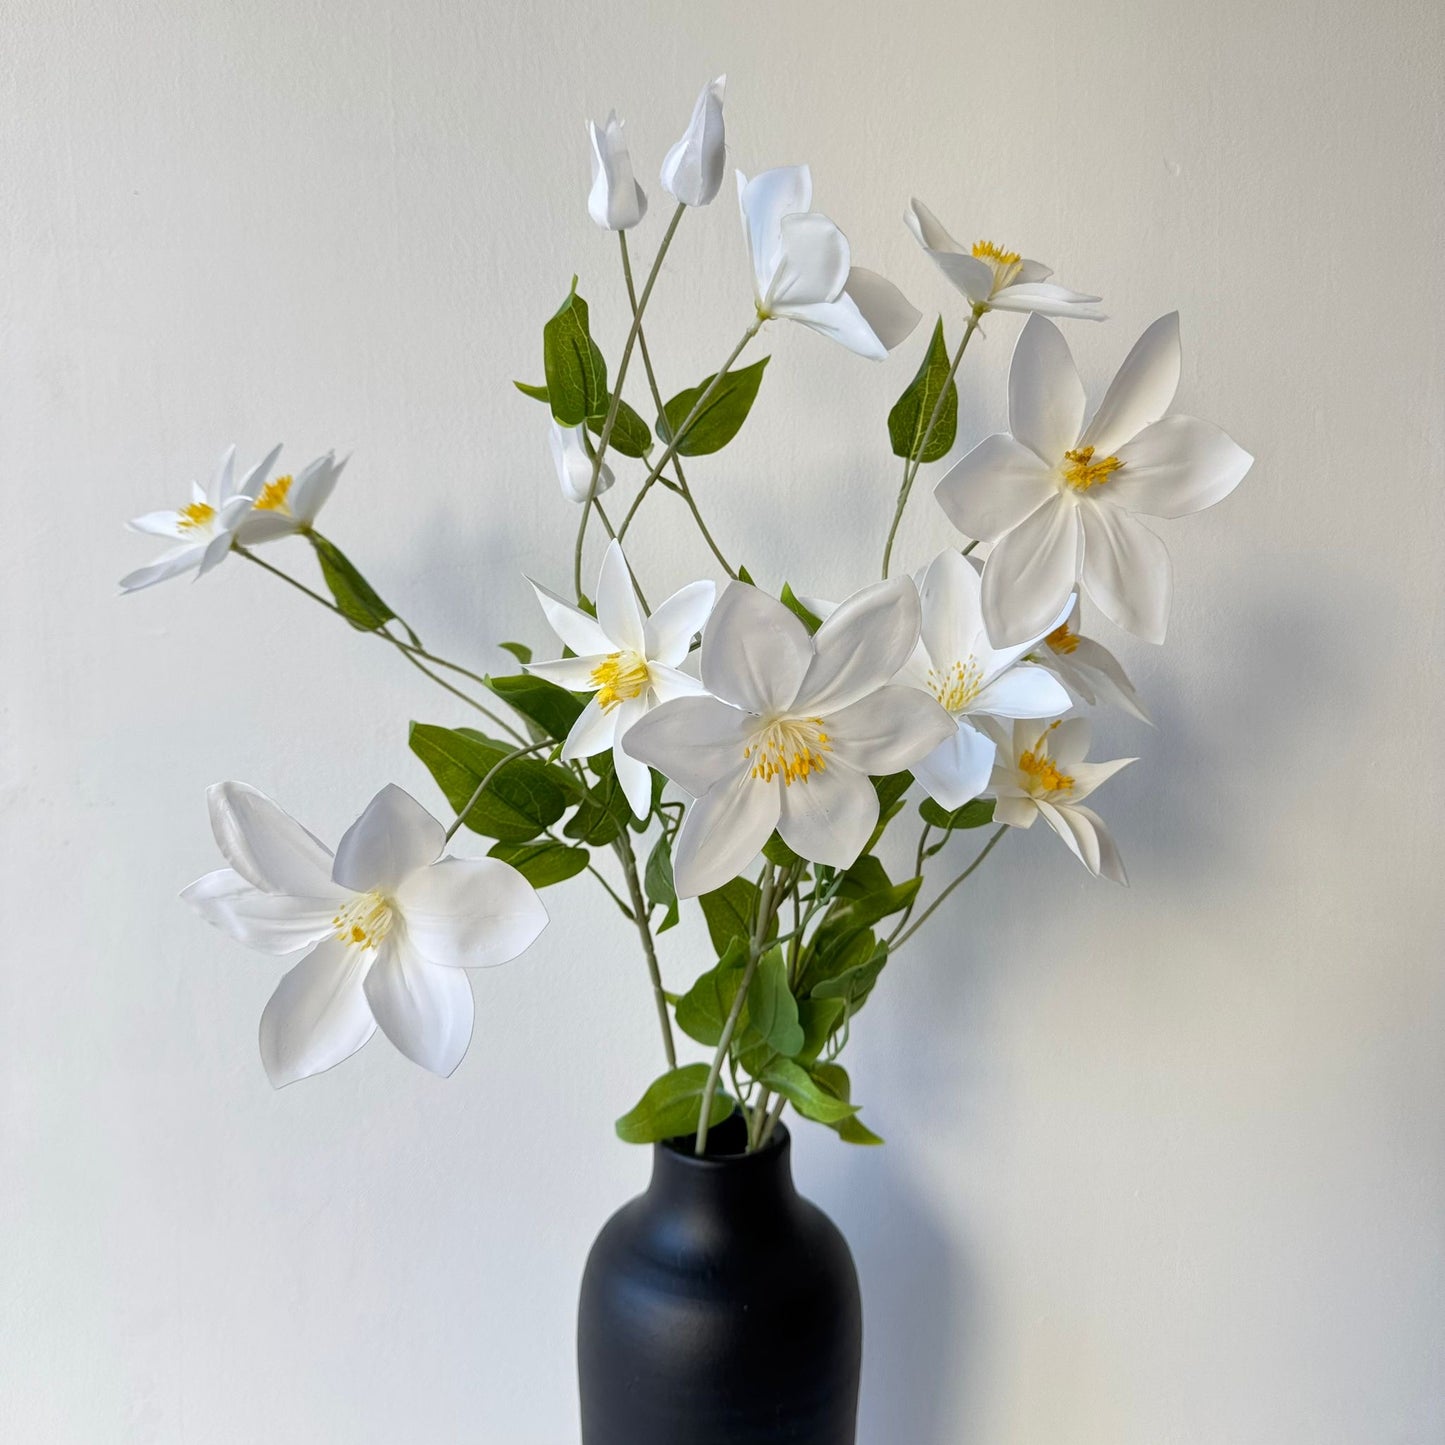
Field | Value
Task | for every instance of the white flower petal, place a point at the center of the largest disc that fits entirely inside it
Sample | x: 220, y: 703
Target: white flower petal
x: 994, y: 487
x: 1067, y: 744
x: 1126, y: 570
x: 1046, y: 299
x: 313, y: 488
x: 1030, y: 573
x: 887, y: 731
x: 576, y: 629
x: 574, y: 463
x: 269, y: 922
x: 812, y: 262
x: 1177, y: 466
x: 618, y: 614
x: 861, y: 646
x: 426, y: 1011
x: 839, y: 321
x: 889, y: 314
x: 172, y: 564
x: 266, y: 845
x: 158, y: 524
x: 829, y: 816
x: 764, y: 201
x: 470, y: 912
x: 595, y: 731
x: 1108, y: 679
x: 573, y: 673
x: 952, y: 611
x: 1015, y: 810
x: 1023, y: 692
x: 1045, y: 395
x: 1142, y: 388
x: 1087, y: 839
x: 1090, y: 776
x: 668, y: 683
x: 928, y: 230
x: 724, y: 830
x: 616, y: 201
x: 958, y: 769
x: 692, y: 170
x: 695, y: 741
x: 754, y: 651
x: 387, y: 844
x: 634, y: 775
x: 254, y: 480
x: 216, y: 552
x: 671, y: 628
x: 318, y: 1015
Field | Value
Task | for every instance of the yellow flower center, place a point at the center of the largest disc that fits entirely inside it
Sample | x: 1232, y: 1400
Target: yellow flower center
x: 1061, y: 639
x: 365, y: 921
x: 790, y: 747
x: 1005, y: 265
x: 619, y: 676
x: 1083, y: 472
x: 273, y: 496
x: 957, y: 686
x: 1040, y: 770
x: 195, y: 516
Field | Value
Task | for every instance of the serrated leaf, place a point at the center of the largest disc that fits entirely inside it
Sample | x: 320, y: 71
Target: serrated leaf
x: 353, y: 594
x: 805, y: 1094
x: 973, y: 814
x: 809, y: 619
x: 541, y: 864
x: 703, y: 1010
x: 720, y: 419
x: 909, y: 418
x: 630, y: 434
x: 671, y: 1107
x: 576, y: 372
x: 552, y: 708
x: 522, y: 800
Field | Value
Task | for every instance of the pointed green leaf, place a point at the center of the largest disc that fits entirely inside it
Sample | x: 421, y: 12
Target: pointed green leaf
x: 729, y: 912
x: 834, y: 1078
x: 702, y: 1011
x: 671, y: 1106
x: 519, y: 650
x: 772, y: 1016
x: 805, y: 1094
x: 541, y: 864
x: 810, y: 620
x: 552, y: 708
x: 776, y: 851
x: 527, y: 388
x: 576, y: 372
x: 720, y: 419
x: 524, y: 797
x: 909, y: 418
x: 819, y: 1017
x: 353, y: 594
x: 630, y: 434
x: 657, y: 882
x: 974, y: 814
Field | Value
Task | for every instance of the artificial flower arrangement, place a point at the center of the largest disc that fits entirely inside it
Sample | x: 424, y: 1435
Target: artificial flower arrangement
x: 732, y: 745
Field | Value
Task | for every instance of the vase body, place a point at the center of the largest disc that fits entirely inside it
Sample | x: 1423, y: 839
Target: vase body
x: 720, y: 1308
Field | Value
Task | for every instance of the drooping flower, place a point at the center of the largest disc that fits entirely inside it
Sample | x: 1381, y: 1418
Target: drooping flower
x: 630, y: 663
x: 1060, y: 500
x: 692, y: 171
x: 391, y: 926
x: 573, y: 461
x: 205, y: 528
x: 616, y: 202
x: 289, y: 504
x: 1040, y: 771
x: 803, y: 271
x: 792, y: 730
x: 956, y: 663
x: 994, y: 278
x: 1087, y: 668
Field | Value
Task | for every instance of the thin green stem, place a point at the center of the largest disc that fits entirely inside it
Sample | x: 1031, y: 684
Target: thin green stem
x: 772, y: 1124
x: 486, y: 780
x: 895, y: 942
x: 628, y: 859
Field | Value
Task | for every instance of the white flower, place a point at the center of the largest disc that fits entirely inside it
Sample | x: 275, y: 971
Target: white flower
x: 692, y: 170
x: 993, y: 278
x: 955, y: 661
x: 629, y: 661
x: 1087, y: 668
x: 1059, y: 499
x: 289, y: 504
x: 802, y: 269
x: 393, y: 926
x: 616, y: 201
x: 1040, y: 772
x: 573, y: 460
x: 793, y: 729
x: 206, y: 527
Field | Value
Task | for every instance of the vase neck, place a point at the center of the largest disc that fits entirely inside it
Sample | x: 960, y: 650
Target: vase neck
x: 733, y: 1184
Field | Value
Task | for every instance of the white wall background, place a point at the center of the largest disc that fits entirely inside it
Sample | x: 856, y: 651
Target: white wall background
x: 1165, y: 1164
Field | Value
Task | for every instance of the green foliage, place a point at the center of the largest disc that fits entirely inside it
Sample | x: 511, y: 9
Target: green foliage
x: 805, y: 1094
x: 910, y: 415
x: 519, y: 650
x: 576, y: 372
x: 553, y: 709
x: 542, y: 864
x: 630, y: 434
x: 353, y: 594
x: 702, y: 1011
x: 818, y: 1017
x: 602, y: 814
x: 729, y: 912
x: 670, y: 1107
x: 973, y: 814
x: 720, y: 419
x: 527, y: 388
x: 776, y: 851
x: 657, y: 882
x: 769, y: 1026
x: 852, y: 1130
x: 810, y: 620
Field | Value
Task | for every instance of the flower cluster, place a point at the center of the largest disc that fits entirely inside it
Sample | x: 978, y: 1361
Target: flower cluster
x: 760, y: 745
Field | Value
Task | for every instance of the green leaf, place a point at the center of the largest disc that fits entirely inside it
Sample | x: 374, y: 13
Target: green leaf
x: 522, y: 800
x: 834, y: 1078
x: 630, y: 434
x: 519, y: 650
x: 818, y: 1017
x: 729, y: 912
x: 973, y: 814
x: 671, y: 1106
x: 805, y: 1094
x: 848, y: 916
x: 855, y: 984
x: 837, y: 956
x: 866, y: 876
x: 702, y: 1011
x: 527, y: 388
x: 720, y: 420
x: 658, y: 884
x: 891, y: 788
x: 552, y: 708
x: 776, y: 851
x: 772, y: 1016
x: 810, y: 620
x: 353, y: 594
x: 602, y: 814
x: 541, y: 864
x: 576, y: 372
x: 910, y: 416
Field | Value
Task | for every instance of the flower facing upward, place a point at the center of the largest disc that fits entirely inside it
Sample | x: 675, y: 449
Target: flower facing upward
x: 692, y: 170
x: 1059, y: 499
x: 994, y: 278
x: 573, y: 461
x: 803, y: 271
x: 792, y: 730
x: 289, y: 504
x: 1039, y: 771
x: 629, y: 662
x: 391, y: 926
x: 616, y: 201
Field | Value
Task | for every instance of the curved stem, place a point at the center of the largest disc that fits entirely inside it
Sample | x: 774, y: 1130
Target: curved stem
x: 932, y: 907
x: 773, y: 1117
x: 628, y: 859
x: 486, y: 780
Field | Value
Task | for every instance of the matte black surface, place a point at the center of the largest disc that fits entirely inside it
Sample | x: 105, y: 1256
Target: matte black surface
x: 720, y: 1308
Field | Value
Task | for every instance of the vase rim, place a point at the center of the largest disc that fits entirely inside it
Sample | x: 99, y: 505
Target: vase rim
x: 681, y: 1148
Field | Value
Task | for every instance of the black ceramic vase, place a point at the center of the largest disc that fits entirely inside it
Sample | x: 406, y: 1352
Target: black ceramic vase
x: 720, y: 1308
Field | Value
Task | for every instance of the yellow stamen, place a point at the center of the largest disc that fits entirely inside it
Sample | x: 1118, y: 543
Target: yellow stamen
x: 957, y: 686
x: 791, y: 748
x: 365, y: 921
x: 1044, y: 777
x: 619, y: 676
x: 1005, y: 265
x: 1084, y: 472
x: 195, y: 516
x: 273, y: 496
x: 1061, y: 639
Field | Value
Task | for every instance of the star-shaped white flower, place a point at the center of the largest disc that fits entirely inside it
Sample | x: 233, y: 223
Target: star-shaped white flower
x: 629, y: 661
x: 792, y: 730
x: 573, y: 460
x: 994, y: 278
x: 1087, y: 668
x: 692, y: 170
x: 391, y: 925
x: 288, y: 504
x: 1059, y: 500
x: 1039, y: 771
x: 616, y: 202
x: 803, y: 271
x: 205, y: 528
